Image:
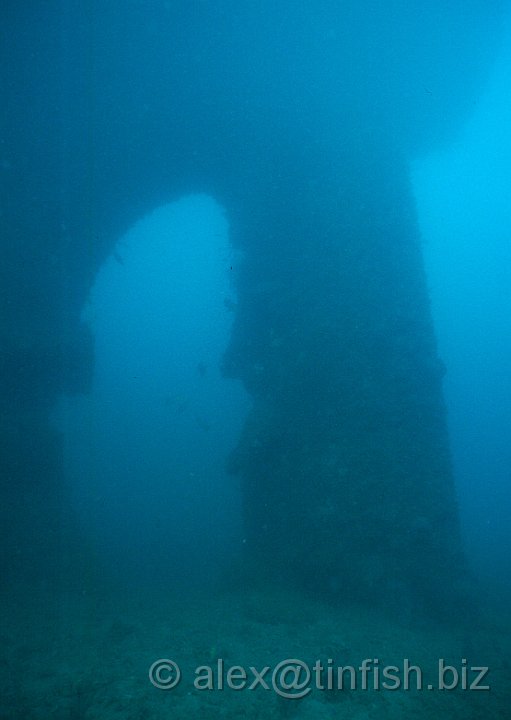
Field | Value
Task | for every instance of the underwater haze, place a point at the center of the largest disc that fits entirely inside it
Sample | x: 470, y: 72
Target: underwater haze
x: 145, y: 449
x: 254, y: 360
x: 463, y: 199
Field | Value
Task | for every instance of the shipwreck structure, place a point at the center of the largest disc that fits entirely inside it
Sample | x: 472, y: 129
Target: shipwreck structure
x: 300, y: 119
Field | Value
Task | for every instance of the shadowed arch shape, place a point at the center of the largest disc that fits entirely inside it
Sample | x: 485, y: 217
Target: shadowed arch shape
x: 300, y: 120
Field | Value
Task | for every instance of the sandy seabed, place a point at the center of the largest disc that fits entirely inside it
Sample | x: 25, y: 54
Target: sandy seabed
x: 88, y: 655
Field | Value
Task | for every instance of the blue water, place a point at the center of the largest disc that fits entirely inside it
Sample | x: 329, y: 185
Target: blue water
x: 255, y: 271
x: 463, y: 199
